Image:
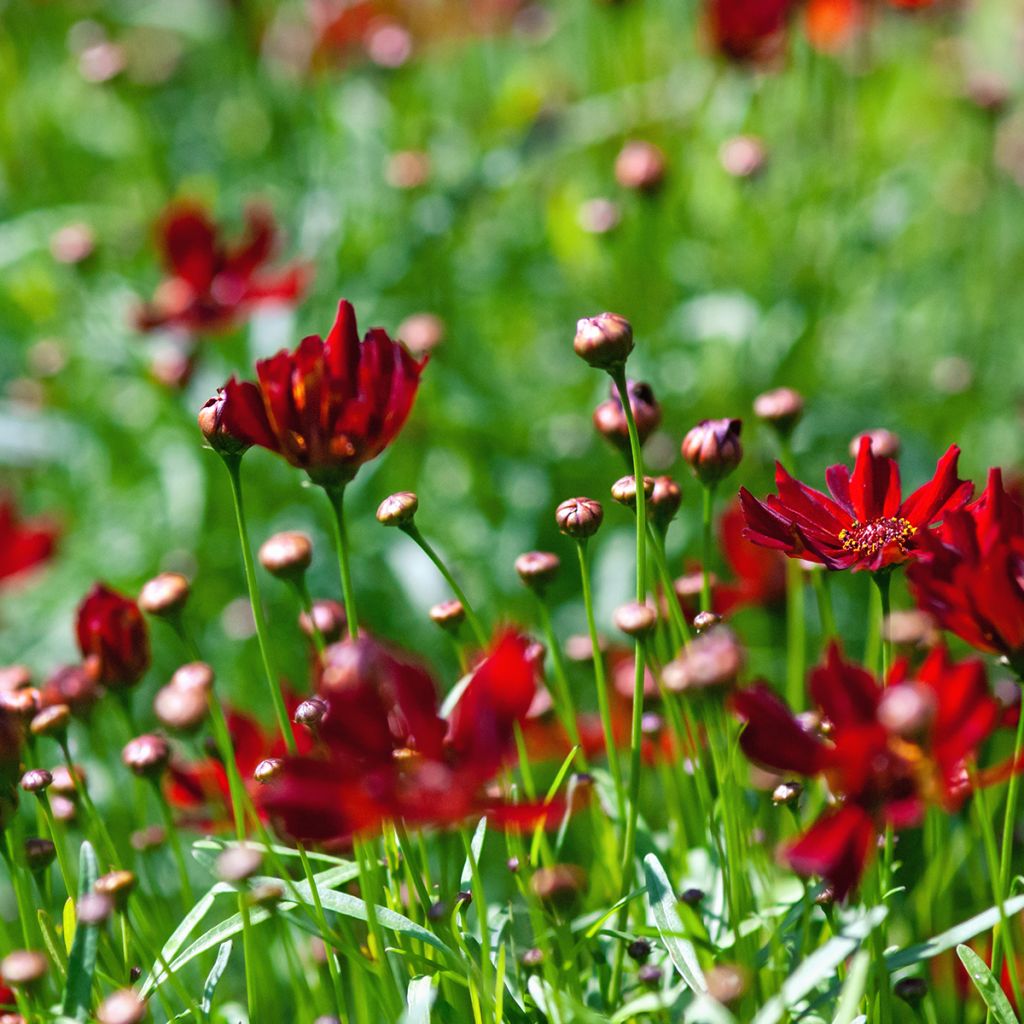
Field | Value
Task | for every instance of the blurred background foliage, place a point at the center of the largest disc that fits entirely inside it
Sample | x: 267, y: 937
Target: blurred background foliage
x: 873, y: 263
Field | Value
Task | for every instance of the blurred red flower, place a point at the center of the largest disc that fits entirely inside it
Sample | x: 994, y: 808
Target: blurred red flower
x: 23, y: 545
x: 758, y: 573
x: 865, y: 524
x: 748, y: 30
x: 891, y: 751
x: 388, y: 754
x: 213, y: 286
x: 113, y: 637
x: 970, y: 575
x: 331, y: 405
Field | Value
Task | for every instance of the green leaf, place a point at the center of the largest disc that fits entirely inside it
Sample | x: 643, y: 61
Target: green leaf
x: 85, y: 947
x: 213, y: 978
x: 419, y: 1000
x: 52, y: 942
x: 663, y: 906
x: 560, y: 1008
x: 853, y: 990
x: 476, y: 845
x: 990, y: 989
x: 220, y: 845
x: 819, y: 966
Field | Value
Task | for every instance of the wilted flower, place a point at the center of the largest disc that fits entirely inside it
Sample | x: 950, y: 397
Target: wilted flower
x: 329, y: 406
x: 113, y: 637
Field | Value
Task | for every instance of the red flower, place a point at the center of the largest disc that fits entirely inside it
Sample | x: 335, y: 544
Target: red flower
x: 759, y: 574
x: 388, y: 753
x: 748, y: 30
x: 970, y: 576
x: 22, y: 545
x: 891, y: 751
x: 213, y: 286
x: 113, y: 637
x: 331, y: 405
x: 865, y: 524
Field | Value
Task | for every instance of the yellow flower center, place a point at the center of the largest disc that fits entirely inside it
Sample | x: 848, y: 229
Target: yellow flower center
x: 870, y: 538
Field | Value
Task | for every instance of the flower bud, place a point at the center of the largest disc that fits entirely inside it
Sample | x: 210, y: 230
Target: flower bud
x: 786, y: 794
x: 703, y: 621
x: 713, y: 449
x: 692, y: 897
x: 164, y: 595
x: 51, y: 721
x: 37, y: 780
x: 72, y: 685
x: 239, y: 863
x: 512, y: 864
x: 911, y: 989
x: 742, y: 156
x: 449, y: 615
x: 149, y: 838
x: 714, y: 659
x: 907, y: 709
x: 64, y: 809
x: 666, y: 500
x: 39, y: 853
x: 649, y: 975
x: 780, y: 408
x: 537, y: 569
x: 421, y: 333
x: 94, y: 908
x: 146, y: 755
x: 579, y: 517
x: 194, y: 675
x: 118, y: 886
x: 610, y: 417
x: 21, y: 704
x: 636, y: 619
x: 310, y: 713
x: 122, y: 1007
x: 532, y: 958
x: 398, y: 509
x: 14, y: 677
x: 211, y: 423
x: 624, y: 490
x: 604, y: 341
x: 287, y: 555
x: 268, y: 769
x: 23, y: 968
x: 639, y: 950
x: 268, y: 894
x: 559, y: 885
x: 329, y: 617
x: 180, y: 709
x: 727, y: 983
x: 884, y: 443
x: 911, y: 627
x: 640, y: 166
x: 579, y: 648
x: 63, y: 782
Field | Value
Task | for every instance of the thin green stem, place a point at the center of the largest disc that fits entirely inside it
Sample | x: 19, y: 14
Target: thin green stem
x: 22, y: 899
x: 823, y: 594
x: 412, y: 531
x: 707, y: 522
x: 96, y: 823
x: 882, y: 581
x: 306, y: 604
x: 58, y: 844
x: 174, y: 838
x: 336, y: 496
x: 233, y: 464
x: 332, y: 960
x: 796, y: 634
x: 1006, y: 850
x: 681, y: 631
x: 560, y: 691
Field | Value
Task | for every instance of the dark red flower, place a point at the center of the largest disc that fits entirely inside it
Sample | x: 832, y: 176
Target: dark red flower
x: 389, y: 754
x: 748, y: 30
x: 970, y: 575
x: 22, y: 545
x: 891, y: 751
x: 113, y: 637
x: 331, y: 405
x: 758, y: 574
x: 865, y: 524
x: 213, y: 286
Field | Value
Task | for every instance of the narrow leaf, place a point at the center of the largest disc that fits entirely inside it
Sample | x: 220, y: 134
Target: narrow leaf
x: 52, y: 942
x: 853, y: 990
x: 985, y: 982
x: 419, y: 1000
x: 213, y: 978
x: 670, y: 927
x: 476, y: 845
x: 85, y: 947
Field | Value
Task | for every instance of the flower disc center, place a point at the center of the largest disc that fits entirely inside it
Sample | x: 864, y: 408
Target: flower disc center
x: 877, y: 535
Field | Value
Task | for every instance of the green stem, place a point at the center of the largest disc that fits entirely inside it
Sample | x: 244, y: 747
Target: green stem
x: 233, y: 463
x: 796, y: 634
x: 823, y: 594
x: 96, y: 823
x: 306, y: 603
x: 336, y: 496
x: 560, y: 691
x: 332, y: 960
x: 174, y: 839
x: 412, y: 531
x: 681, y: 631
x: 22, y: 900
x: 883, y: 581
x: 707, y: 522
x: 1006, y: 851
x: 58, y: 843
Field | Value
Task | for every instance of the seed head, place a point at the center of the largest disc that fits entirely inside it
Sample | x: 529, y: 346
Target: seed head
x: 398, y: 509
x: 604, y: 341
x: 287, y: 555
x: 579, y: 517
x: 146, y: 755
x: 537, y: 569
x: 713, y: 449
x: 164, y: 595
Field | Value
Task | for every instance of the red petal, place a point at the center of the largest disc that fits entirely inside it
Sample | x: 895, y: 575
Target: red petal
x: 837, y: 847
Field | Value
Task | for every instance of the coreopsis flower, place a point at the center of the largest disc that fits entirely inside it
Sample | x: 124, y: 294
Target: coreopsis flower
x: 891, y: 751
x: 758, y: 574
x: 387, y: 752
x: 23, y: 545
x: 970, y: 576
x: 213, y: 286
x: 329, y: 406
x: 113, y: 637
x: 747, y: 31
x: 865, y: 524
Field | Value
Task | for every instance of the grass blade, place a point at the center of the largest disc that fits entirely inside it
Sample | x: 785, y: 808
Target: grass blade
x: 85, y: 947
x: 212, y: 979
x: 670, y: 927
x: 853, y: 990
x: 419, y: 1000
x: 990, y: 989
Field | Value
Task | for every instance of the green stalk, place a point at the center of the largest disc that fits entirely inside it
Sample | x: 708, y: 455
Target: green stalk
x: 796, y: 634
x: 823, y: 593
x: 233, y: 463
x: 58, y: 842
x: 412, y: 531
x: 306, y: 603
x: 96, y: 823
x: 22, y: 900
x: 560, y: 691
x: 882, y: 581
x: 707, y: 522
x: 680, y: 629
x: 174, y: 839
x: 336, y: 496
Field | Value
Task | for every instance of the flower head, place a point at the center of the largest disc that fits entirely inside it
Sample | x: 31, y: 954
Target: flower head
x: 748, y: 31
x: 113, y: 637
x: 23, y: 546
x: 865, y: 524
x: 970, y: 576
x: 891, y: 751
x: 329, y: 406
x: 212, y: 286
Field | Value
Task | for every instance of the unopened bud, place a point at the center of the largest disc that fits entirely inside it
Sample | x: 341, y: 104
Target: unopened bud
x: 884, y: 443
x: 22, y: 704
x: 907, y: 709
x: 911, y: 990
x: 421, y: 333
x: 14, y: 677
x: 267, y: 894
x: 122, y: 1007
x: 329, y: 617
x: 449, y: 615
x: 211, y: 423
x: 164, y: 595
x: 64, y: 782
x: 911, y: 627
x: 268, y: 769
x: 287, y: 555
x: 786, y: 793
x: 537, y: 569
x: 94, y: 908
x: 559, y: 885
x: 640, y: 166
x: 610, y: 416
x: 780, y: 408
x: 636, y: 619
x: 398, y: 509
x: 39, y: 853
x: 579, y: 517
x: 52, y: 721
x: 310, y: 713
x: 604, y: 341
x: 713, y: 449
x: 713, y: 660
x: 692, y: 897
x: 532, y: 958
x: 639, y: 950
x: 742, y: 156
x: 624, y: 490
x: 512, y: 864
x: 180, y: 710
x: 149, y: 838
x: 666, y: 500
x: 649, y: 975
x: 703, y: 621
x: 238, y: 864
x: 118, y: 885
x: 146, y: 755
x: 194, y: 675
x: 727, y: 983
x: 37, y: 780
x: 23, y: 968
